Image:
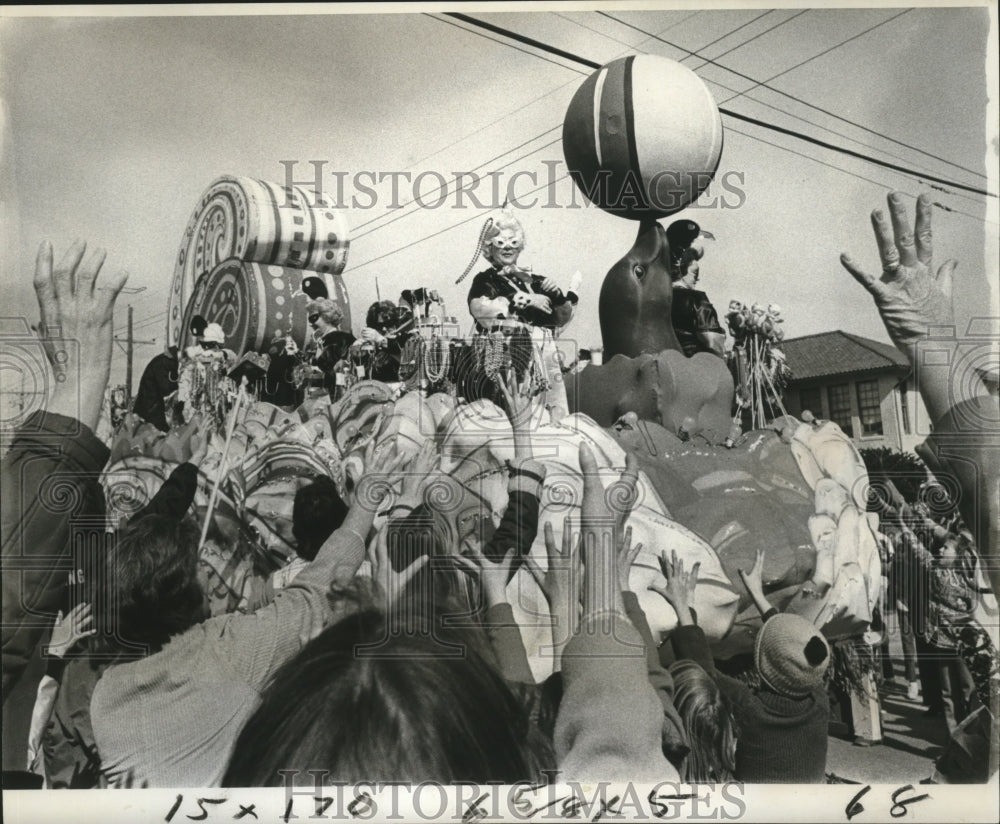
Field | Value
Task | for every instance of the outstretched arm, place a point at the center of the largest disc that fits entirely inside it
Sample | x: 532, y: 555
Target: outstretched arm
x: 912, y: 299
x: 754, y: 583
x: 52, y: 451
x: 910, y: 296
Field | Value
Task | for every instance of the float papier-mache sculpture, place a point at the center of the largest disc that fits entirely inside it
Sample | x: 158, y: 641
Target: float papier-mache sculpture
x: 642, y: 139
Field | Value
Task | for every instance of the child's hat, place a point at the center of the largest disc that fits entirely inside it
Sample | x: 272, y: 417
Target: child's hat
x: 791, y: 655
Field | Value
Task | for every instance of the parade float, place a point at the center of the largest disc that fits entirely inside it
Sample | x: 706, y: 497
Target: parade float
x: 713, y: 493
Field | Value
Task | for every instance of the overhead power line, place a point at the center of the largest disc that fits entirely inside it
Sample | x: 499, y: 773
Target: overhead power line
x: 790, y: 132
x: 764, y: 84
x: 749, y: 96
x: 158, y: 317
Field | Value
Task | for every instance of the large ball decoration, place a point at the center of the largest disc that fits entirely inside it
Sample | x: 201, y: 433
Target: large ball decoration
x: 642, y: 137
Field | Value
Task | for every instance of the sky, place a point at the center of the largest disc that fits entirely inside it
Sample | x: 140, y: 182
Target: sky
x: 114, y: 126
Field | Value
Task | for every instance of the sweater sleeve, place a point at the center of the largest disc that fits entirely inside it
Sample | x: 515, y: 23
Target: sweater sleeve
x: 175, y: 495
x: 50, y: 487
x: 71, y: 758
x: 519, y: 524
x: 257, y: 644
x: 610, y: 721
x: 659, y: 677
x: 505, y: 639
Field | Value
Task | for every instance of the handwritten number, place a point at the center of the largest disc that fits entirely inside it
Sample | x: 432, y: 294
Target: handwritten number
x: 175, y: 808
x: 201, y: 806
x: 855, y: 806
x: 900, y: 804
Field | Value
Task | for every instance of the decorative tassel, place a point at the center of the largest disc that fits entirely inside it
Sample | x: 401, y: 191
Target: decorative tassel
x: 479, y: 249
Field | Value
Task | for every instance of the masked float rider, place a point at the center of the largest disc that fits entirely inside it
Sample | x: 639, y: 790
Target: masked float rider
x: 506, y: 291
x: 695, y: 320
x: 387, y: 328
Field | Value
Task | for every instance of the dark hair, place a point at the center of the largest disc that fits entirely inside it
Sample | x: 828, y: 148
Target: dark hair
x: 707, y: 721
x: 680, y: 235
x: 198, y: 326
x: 382, y: 315
x: 150, y: 590
x: 318, y: 510
x: 377, y: 698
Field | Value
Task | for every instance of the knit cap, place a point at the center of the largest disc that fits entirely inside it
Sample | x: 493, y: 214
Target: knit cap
x: 791, y: 655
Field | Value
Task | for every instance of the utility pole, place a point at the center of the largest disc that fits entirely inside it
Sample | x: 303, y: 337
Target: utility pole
x: 128, y: 346
x: 129, y: 350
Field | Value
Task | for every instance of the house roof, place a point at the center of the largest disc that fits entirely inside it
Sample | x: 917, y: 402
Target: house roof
x: 837, y: 353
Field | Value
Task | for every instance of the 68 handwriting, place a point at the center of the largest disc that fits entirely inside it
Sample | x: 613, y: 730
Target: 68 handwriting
x: 900, y: 805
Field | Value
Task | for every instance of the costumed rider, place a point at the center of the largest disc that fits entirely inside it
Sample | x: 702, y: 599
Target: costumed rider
x: 332, y: 344
x: 507, y: 291
x: 204, y: 386
x: 159, y: 382
x: 387, y: 328
x: 695, y: 320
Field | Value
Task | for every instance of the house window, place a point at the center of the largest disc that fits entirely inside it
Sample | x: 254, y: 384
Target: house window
x: 869, y: 408
x: 904, y: 406
x: 839, y: 398
x: 812, y: 400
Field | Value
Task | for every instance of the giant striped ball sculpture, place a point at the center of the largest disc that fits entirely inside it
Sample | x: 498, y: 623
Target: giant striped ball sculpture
x: 642, y: 137
x: 258, y: 222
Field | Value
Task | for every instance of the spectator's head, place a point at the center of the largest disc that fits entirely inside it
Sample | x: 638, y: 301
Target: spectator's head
x: 317, y: 512
x: 151, y: 590
x: 365, y: 703
x: 791, y: 655
x: 382, y: 315
x: 707, y: 723
x: 324, y: 315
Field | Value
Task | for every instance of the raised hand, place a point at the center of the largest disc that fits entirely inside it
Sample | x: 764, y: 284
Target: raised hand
x: 77, y: 306
x: 626, y: 555
x: 199, y: 442
x: 753, y: 580
x: 390, y: 582
x: 69, y: 630
x: 909, y: 294
x: 602, y: 513
x: 517, y: 399
x: 382, y: 463
x: 560, y: 582
x: 493, y: 577
x: 423, y: 463
x: 679, y: 589
x: 615, y: 505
